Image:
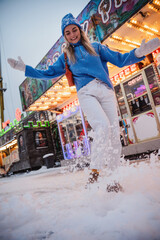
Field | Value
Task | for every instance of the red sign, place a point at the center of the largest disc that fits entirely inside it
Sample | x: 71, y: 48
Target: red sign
x: 5, y: 124
x: 70, y: 105
x: 18, y: 114
x: 124, y: 74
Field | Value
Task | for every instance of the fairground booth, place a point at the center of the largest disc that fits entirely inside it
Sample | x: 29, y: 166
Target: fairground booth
x: 26, y: 144
x: 121, y: 25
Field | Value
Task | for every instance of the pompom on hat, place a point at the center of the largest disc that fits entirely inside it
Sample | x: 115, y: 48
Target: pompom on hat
x: 68, y: 20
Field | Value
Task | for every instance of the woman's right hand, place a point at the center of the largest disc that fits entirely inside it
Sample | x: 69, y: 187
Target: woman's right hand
x: 17, y: 64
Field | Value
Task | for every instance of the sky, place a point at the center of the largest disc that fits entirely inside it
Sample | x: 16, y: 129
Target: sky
x: 29, y: 29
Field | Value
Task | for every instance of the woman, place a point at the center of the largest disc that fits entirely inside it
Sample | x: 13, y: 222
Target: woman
x: 87, y: 61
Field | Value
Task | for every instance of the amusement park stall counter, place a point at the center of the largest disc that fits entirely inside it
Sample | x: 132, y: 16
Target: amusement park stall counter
x: 138, y: 100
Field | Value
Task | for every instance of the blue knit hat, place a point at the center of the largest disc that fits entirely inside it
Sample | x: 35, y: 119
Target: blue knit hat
x: 68, y: 20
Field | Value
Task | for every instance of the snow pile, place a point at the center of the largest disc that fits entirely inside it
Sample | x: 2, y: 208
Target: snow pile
x: 54, y: 204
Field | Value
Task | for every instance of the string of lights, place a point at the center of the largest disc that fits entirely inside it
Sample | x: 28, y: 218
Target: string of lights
x: 143, y: 28
x: 124, y: 41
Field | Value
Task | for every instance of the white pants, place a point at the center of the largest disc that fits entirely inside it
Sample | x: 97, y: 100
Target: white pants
x: 98, y: 103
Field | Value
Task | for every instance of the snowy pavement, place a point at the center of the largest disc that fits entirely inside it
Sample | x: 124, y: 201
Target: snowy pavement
x: 54, y: 204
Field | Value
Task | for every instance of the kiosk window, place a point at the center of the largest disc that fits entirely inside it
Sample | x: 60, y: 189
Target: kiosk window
x: 137, y: 95
x: 21, y: 143
x: 40, y: 139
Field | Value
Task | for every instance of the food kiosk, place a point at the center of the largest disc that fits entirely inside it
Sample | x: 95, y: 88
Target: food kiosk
x: 138, y: 99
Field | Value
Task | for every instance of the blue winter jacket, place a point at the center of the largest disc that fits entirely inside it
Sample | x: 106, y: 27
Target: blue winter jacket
x: 87, y: 67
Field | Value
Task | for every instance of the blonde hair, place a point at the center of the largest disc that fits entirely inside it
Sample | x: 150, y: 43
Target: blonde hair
x: 69, y: 49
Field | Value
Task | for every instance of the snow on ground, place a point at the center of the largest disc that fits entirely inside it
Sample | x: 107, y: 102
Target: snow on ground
x: 54, y: 204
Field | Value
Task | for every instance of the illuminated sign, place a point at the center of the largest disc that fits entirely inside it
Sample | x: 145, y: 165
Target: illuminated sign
x: 71, y: 105
x: 18, y: 114
x: 5, y: 124
x: 124, y: 74
x: 135, y: 80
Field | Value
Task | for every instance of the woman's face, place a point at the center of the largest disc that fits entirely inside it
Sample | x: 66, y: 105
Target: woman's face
x: 72, y: 33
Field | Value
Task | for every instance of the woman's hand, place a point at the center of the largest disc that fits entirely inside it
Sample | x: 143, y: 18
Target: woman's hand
x: 147, y: 47
x: 17, y: 64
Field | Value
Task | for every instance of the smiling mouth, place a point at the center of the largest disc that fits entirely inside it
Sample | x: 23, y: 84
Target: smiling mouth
x: 74, y: 38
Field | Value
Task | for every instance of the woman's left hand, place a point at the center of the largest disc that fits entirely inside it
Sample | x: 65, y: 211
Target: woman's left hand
x: 147, y: 47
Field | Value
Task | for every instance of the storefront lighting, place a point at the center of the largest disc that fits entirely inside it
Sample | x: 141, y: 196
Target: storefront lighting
x: 134, y: 21
x: 133, y: 42
x: 8, y: 145
x: 122, y: 75
x: 66, y: 93
x: 42, y: 98
x: 45, y: 102
x: 116, y: 37
x: 45, y: 107
x: 125, y: 41
x: 110, y: 65
x: 33, y: 108
x: 3, y: 148
x: 152, y: 29
x: 157, y: 2
x: 64, y: 79
x: 58, y: 98
x: 50, y: 93
x: 73, y: 88
x: 74, y: 109
x: 37, y: 103
x: 66, y: 113
x: 57, y: 86
x: 55, y: 103
x: 52, y: 98
x: 155, y: 6
x: 59, y: 94
x: 140, y: 27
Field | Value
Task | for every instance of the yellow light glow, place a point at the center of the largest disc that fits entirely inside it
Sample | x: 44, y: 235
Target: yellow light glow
x: 129, y: 41
x: 126, y: 41
x: 152, y: 29
x: 142, y: 28
x: 45, y: 107
x: 50, y: 93
x: 8, y: 145
x: 133, y: 21
x: 42, y: 98
x: 57, y: 86
x: 37, y: 103
x: 58, y: 98
x: 149, y: 33
x: 157, y: 2
x: 129, y: 25
x: 66, y: 93
x: 117, y: 37
x: 33, y: 108
x: 55, y: 103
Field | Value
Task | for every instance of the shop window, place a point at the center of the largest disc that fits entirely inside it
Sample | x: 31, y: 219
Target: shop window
x: 120, y: 100
x: 56, y: 138
x: 137, y: 95
x: 71, y: 132
x: 40, y: 139
x: 21, y: 143
x: 152, y: 79
x: 73, y: 136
